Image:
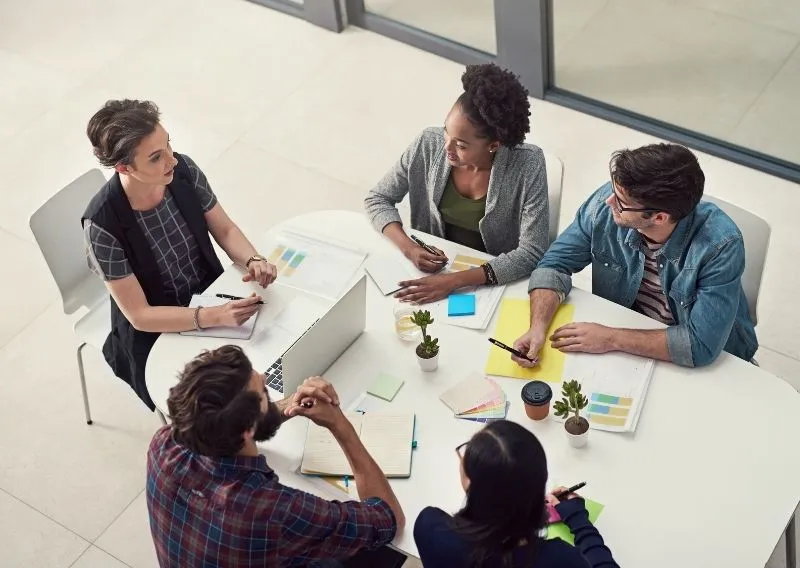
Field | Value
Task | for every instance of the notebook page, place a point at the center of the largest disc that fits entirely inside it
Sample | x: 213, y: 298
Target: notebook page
x: 322, y: 454
x: 388, y: 439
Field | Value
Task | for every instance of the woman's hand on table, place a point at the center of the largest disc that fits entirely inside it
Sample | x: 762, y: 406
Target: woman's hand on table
x: 424, y: 260
x: 427, y: 289
x: 262, y: 272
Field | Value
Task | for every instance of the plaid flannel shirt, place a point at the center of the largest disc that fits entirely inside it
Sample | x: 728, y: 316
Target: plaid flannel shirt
x: 233, y: 512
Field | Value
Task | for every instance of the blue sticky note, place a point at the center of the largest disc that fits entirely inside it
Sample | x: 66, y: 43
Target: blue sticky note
x: 461, y: 305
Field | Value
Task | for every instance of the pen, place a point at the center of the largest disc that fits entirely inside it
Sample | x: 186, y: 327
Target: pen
x: 346, y: 482
x: 502, y: 345
x: 426, y: 247
x: 229, y: 297
x: 572, y: 489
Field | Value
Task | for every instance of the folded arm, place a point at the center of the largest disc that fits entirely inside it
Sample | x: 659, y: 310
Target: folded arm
x: 587, y: 539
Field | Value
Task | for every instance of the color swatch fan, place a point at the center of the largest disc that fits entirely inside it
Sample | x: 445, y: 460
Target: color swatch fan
x: 476, y: 398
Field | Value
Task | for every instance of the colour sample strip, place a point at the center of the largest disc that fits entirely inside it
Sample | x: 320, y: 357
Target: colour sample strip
x: 293, y: 264
x: 458, y: 267
x: 275, y: 254
x: 607, y: 399
x: 470, y: 261
x: 609, y: 410
x: 285, y: 258
x: 608, y: 420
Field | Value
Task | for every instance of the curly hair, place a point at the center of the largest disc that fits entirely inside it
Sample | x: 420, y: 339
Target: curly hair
x: 496, y: 103
x: 116, y: 130
x: 211, y: 406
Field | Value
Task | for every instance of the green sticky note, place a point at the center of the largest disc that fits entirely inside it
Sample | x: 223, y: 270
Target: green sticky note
x: 561, y: 530
x: 385, y: 386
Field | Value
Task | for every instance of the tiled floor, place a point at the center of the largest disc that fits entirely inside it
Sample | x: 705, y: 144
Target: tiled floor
x: 284, y: 118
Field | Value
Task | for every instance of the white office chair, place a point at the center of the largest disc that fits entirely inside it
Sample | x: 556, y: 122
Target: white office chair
x: 57, y: 228
x: 555, y: 179
x: 756, y: 232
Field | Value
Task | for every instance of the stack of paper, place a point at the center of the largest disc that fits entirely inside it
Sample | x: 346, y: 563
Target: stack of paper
x: 616, y: 385
x: 476, y: 398
x: 486, y: 300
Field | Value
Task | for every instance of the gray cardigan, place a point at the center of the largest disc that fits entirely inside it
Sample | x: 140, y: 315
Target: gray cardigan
x: 515, y: 226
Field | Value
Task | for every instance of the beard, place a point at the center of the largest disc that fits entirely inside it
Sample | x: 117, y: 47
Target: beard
x: 268, y: 424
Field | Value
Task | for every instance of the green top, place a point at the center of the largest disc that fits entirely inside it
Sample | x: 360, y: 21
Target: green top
x: 461, y: 216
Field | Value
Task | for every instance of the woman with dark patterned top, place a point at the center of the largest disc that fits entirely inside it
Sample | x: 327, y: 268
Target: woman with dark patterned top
x: 147, y: 235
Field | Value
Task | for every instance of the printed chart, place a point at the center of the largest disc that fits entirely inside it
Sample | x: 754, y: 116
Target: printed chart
x: 609, y: 410
x: 314, y: 265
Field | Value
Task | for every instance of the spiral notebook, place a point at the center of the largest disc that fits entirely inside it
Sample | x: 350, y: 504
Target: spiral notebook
x: 244, y: 331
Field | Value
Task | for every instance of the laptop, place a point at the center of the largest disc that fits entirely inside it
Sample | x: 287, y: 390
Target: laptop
x: 322, y: 343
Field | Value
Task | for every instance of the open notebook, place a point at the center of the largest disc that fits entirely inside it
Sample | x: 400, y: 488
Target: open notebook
x: 387, y: 437
x: 243, y: 331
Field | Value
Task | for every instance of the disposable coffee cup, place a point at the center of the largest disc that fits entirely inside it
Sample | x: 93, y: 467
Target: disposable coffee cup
x: 537, y: 395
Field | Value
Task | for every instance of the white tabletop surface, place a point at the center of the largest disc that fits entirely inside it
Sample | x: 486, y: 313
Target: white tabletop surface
x: 710, y: 476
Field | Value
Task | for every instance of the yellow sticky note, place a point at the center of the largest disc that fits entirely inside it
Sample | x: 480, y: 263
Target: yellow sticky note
x: 513, y: 321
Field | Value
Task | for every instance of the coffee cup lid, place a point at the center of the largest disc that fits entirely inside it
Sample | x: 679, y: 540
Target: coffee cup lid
x: 537, y: 393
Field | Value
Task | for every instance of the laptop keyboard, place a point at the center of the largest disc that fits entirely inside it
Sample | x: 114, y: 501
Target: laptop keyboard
x: 274, y: 373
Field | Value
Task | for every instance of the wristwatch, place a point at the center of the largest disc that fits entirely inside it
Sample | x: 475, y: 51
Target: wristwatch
x: 255, y: 257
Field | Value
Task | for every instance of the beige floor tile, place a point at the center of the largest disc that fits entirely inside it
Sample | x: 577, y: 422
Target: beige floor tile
x: 259, y: 189
x: 353, y: 120
x: 690, y: 67
x: 81, y: 476
x: 28, y: 287
x: 128, y: 538
x: 96, y: 558
x: 28, y: 91
x: 770, y: 125
x: 570, y: 18
x: 779, y: 14
x: 30, y: 539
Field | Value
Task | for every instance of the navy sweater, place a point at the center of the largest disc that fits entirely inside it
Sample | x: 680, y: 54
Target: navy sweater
x: 441, y: 547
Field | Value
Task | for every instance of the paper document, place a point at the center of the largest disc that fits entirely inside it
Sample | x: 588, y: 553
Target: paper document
x: 514, y: 321
x: 313, y: 264
x: 387, y: 271
x: 616, y: 385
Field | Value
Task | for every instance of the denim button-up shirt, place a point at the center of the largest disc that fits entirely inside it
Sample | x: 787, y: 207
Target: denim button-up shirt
x: 701, y: 267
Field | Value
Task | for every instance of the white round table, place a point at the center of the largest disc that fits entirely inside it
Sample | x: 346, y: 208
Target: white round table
x: 710, y: 476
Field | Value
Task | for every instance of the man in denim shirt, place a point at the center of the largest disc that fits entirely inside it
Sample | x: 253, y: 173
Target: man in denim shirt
x: 653, y: 248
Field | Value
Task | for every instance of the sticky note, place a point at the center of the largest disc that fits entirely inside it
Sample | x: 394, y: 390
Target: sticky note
x: 461, y: 305
x: 561, y: 530
x: 385, y: 386
x: 513, y: 321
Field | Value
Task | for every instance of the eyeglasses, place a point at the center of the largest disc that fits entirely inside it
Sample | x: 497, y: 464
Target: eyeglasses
x: 621, y: 209
x: 460, y: 449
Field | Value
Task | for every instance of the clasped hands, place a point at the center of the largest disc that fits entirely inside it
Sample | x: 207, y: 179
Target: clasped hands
x: 317, y: 400
x: 579, y: 337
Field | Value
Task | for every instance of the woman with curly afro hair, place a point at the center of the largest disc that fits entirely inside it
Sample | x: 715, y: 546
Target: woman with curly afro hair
x: 474, y: 182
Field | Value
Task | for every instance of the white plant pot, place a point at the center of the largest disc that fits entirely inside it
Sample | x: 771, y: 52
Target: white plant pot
x: 577, y: 440
x: 428, y: 364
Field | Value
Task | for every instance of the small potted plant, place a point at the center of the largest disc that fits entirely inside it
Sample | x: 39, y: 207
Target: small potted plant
x: 569, y: 407
x: 428, y: 349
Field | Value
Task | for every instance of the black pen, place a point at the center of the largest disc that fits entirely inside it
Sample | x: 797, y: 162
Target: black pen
x: 229, y: 297
x: 573, y: 489
x: 511, y: 350
x: 426, y: 247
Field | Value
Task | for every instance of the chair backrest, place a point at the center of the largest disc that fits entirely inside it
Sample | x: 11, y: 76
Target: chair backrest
x: 755, y: 232
x: 57, y: 229
x: 555, y: 180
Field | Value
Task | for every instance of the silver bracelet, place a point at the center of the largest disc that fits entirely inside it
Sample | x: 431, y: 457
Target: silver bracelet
x: 197, y: 318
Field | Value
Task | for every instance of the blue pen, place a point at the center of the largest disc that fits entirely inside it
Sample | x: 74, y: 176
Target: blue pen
x: 346, y: 482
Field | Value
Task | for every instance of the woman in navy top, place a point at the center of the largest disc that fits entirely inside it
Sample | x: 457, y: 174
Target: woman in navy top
x: 504, y: 472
